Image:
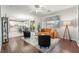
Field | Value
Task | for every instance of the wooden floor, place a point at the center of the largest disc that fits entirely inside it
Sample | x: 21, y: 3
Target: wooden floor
x: 17, y: 45
x: 69, y: 46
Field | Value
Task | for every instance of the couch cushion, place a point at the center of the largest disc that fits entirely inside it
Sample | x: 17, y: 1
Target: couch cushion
x: 44, y: 33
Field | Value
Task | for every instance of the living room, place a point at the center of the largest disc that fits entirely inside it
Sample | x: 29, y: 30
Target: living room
x: 29, y: 25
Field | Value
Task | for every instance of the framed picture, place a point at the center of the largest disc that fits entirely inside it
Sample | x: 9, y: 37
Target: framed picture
x: 53, y: 22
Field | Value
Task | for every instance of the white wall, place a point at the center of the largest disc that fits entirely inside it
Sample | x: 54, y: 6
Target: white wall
x: 78, y: 25
x: 0, y: 30
x: 67, y: 15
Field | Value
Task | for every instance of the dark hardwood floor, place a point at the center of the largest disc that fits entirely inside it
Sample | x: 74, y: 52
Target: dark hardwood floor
x: 17, y: 45
x: 70, y: 46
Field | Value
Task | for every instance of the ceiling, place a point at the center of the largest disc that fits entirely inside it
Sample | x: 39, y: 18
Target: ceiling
x: 25, y: 11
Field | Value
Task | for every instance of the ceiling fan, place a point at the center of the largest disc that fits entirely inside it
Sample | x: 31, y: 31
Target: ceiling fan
x: 41, y: 9
x: 37, y: 6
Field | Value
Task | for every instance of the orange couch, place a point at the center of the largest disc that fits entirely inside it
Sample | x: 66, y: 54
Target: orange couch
x: 47, y: 31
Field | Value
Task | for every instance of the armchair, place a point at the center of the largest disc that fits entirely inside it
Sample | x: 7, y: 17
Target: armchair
x: 44, y: 41
x: 27, y: 34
